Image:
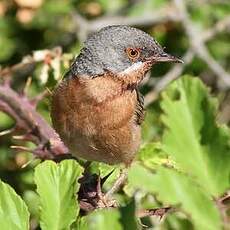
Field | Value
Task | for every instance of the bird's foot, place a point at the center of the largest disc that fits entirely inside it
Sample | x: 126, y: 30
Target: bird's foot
x: 106, y: 199
x: 91, y: 195
x: 103, y: 200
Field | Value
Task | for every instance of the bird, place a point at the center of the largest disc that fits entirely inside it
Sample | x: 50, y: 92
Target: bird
x: 97, y: 108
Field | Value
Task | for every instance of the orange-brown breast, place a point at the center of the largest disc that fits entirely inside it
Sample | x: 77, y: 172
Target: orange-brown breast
x: 95, y: 119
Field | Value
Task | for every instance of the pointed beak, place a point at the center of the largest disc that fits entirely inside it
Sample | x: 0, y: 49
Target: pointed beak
x: 164, y: 57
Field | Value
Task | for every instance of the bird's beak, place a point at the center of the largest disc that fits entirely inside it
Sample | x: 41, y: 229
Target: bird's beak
x: 164, y: 57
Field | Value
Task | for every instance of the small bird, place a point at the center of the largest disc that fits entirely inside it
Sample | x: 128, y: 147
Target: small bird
x: 97, y: 109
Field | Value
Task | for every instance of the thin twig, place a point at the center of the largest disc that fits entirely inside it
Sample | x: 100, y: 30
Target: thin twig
x: 118, y: 183
x: 154, y: 212
x: 221, y: 26
x: 7, y: 131
x: 21, y: 148
x: 84, y: 27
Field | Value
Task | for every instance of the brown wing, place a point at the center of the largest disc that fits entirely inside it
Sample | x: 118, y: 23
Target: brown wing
x: 140, y: 111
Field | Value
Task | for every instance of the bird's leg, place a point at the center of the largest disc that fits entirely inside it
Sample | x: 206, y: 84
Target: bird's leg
x: 102, y: 200
x: 100, y: 182
x: 118, y: 183
x: 105, y: 200
x: 98, y: 189
x: 92, y: 195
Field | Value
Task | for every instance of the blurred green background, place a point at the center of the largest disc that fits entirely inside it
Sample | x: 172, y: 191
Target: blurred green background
x: 29, y: 25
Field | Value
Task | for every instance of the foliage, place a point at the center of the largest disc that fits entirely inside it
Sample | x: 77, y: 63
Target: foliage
x: 187, y: 104
x: 200, y: 149
x: 57, y: 187
x: 13, y: 211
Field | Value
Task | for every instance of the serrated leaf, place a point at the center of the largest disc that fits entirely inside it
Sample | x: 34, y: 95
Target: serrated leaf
x: 193, y: 139
x: 13, y: 211
x: 104, y: 219
x: 174, y: 188
x: 57, y: 187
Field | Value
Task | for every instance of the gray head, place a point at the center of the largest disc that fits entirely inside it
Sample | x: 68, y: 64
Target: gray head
x: 117, y: 48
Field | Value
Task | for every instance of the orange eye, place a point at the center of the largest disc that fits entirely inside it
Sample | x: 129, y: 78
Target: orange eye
x: 133, y: 53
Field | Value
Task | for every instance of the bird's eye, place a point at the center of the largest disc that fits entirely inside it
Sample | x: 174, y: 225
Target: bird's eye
x: 133, y: 53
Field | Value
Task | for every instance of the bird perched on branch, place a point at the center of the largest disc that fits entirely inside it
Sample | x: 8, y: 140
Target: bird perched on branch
x: 97, y: 109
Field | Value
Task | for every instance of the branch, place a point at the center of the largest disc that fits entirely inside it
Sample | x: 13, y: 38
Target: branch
x: 28, y: 62
x: 36, y: 128
x: 223, y: 205
x: 150, y: 19
x: 220, y: 26
x: 154, y: 212
x: 198, y: 46
x: 84, y: 27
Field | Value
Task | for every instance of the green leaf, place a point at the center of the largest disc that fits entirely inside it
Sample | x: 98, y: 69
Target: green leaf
x: 57, y: 187
x: 128, y: 216
x: 31, y: 199
x: 80, y: 224
x: 5, y: 121
x: 152, y: 155
x: 111, y: 6
x: 104, y: 219
x: 177, y: 221
x: 7, y: 41
x: 174, y: 188
x: 13, y: 211
x: 197, y: 144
